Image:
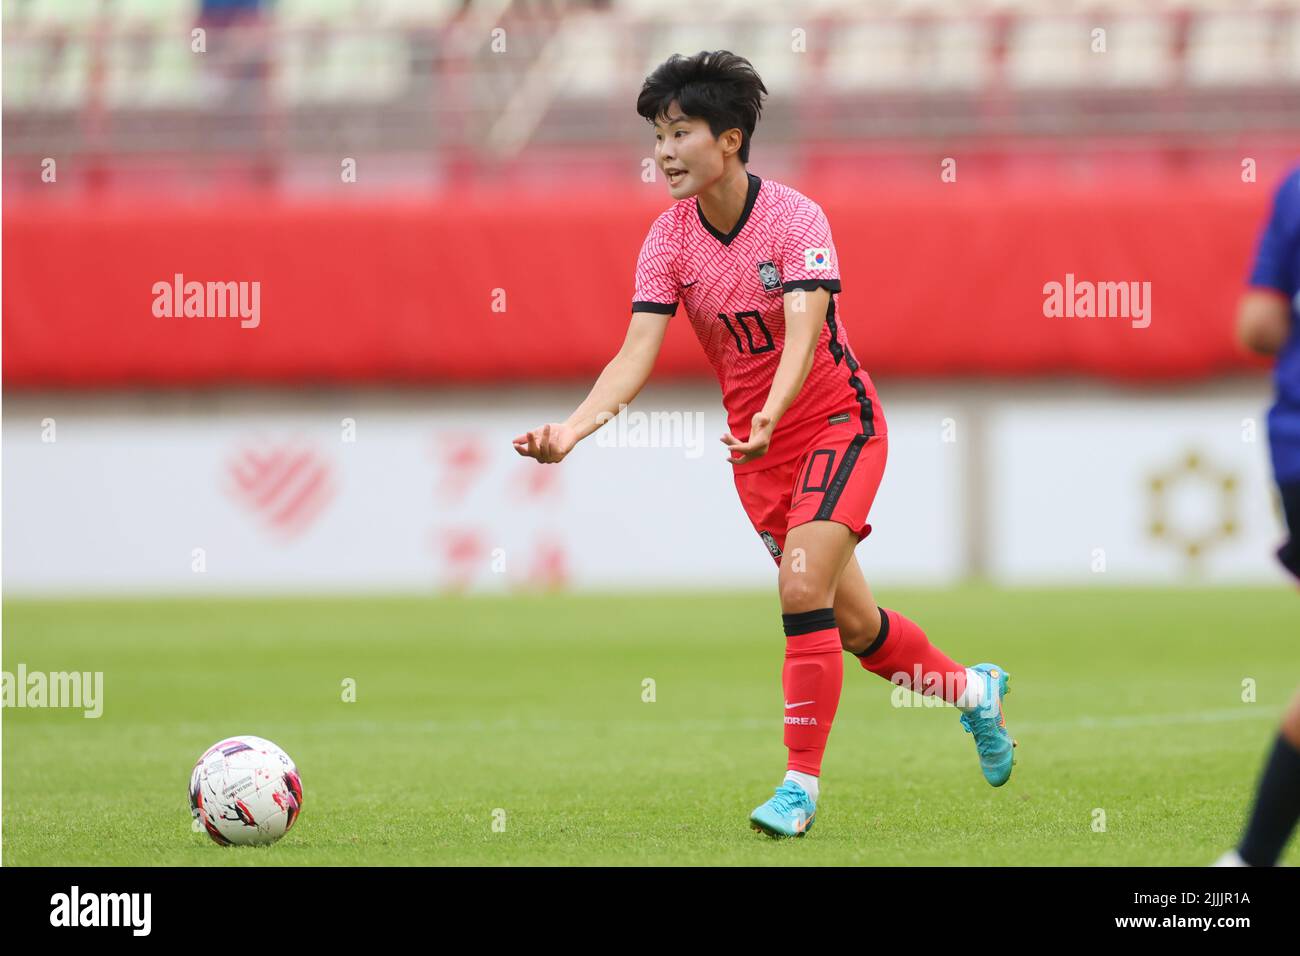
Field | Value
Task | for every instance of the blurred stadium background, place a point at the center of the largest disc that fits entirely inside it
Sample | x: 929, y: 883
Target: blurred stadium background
x: 441, y: 203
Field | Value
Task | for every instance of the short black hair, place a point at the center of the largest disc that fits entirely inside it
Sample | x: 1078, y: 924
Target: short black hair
x: 717, y: 86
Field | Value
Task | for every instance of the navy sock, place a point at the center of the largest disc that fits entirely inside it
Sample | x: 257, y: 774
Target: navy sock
x: 1277, y: 805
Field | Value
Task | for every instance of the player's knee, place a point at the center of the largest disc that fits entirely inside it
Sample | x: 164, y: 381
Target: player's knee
x: 800, y: 593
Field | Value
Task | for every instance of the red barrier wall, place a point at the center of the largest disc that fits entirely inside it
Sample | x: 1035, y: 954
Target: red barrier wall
x: 945, y: 280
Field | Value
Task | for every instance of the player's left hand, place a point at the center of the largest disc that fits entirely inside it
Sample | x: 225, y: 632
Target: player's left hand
x: 548, y: 444
x: 760, y: 435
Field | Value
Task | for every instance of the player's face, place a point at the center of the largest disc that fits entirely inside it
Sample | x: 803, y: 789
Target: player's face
x: 686, y: 152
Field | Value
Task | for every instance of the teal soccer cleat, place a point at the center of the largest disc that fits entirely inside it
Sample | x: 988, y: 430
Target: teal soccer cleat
x: 789, y: 813
x: 989, y: 726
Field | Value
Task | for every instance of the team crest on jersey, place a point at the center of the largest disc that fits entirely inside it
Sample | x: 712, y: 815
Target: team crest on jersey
x: 770, y: 541
x: 771, y: 278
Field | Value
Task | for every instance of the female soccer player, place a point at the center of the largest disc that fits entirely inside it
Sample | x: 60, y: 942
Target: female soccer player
x: 1268, y: 317
x: 754, y: 263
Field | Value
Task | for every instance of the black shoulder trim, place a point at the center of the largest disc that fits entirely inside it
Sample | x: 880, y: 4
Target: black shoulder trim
x: 661, y: 308
x: 809, y: 284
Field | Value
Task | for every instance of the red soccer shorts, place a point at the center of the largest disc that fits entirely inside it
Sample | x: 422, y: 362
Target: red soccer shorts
x: 835, y: 479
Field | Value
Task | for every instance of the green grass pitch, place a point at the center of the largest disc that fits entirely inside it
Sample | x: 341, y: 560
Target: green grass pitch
x: 528, y: 712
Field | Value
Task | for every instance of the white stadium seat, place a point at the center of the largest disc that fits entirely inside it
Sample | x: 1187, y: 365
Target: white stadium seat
x: 57, y: 13
x: 1139, y: 52
x: 346, y: 68
x: 1049, y: 52
x: 769, y: 48
x: 954, y: 54
x: 152, y: 70
x: 157, y: 13
x: 872, y: 55
x: 1229, y: 49
x: 416, y: 13
x: 590, y: 51
x: 1291, y: 48
x: 339, y: 13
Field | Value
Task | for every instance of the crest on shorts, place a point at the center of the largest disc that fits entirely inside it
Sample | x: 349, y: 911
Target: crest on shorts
x: 770, y: 541
x: 771, y: 278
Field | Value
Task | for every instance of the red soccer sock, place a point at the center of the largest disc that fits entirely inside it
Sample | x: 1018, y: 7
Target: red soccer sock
x: 812, y: 677
x: 903, y: 655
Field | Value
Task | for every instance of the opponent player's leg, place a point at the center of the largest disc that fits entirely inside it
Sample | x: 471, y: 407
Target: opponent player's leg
x: 1277, y: 800
x: 813, y: 674
x: 894, y: 647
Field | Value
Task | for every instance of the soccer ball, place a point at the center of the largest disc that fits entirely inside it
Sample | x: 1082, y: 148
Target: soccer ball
x: 246, y: 791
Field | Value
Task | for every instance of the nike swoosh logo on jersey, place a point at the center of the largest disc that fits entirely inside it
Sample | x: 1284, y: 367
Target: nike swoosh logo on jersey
x: 687, y: 285
x: 800, y: 704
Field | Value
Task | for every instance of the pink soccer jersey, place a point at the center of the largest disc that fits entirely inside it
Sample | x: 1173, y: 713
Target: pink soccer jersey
x: 733, y: 287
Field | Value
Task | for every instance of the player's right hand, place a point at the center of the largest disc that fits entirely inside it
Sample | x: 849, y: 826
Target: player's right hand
x: 548, y: 444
